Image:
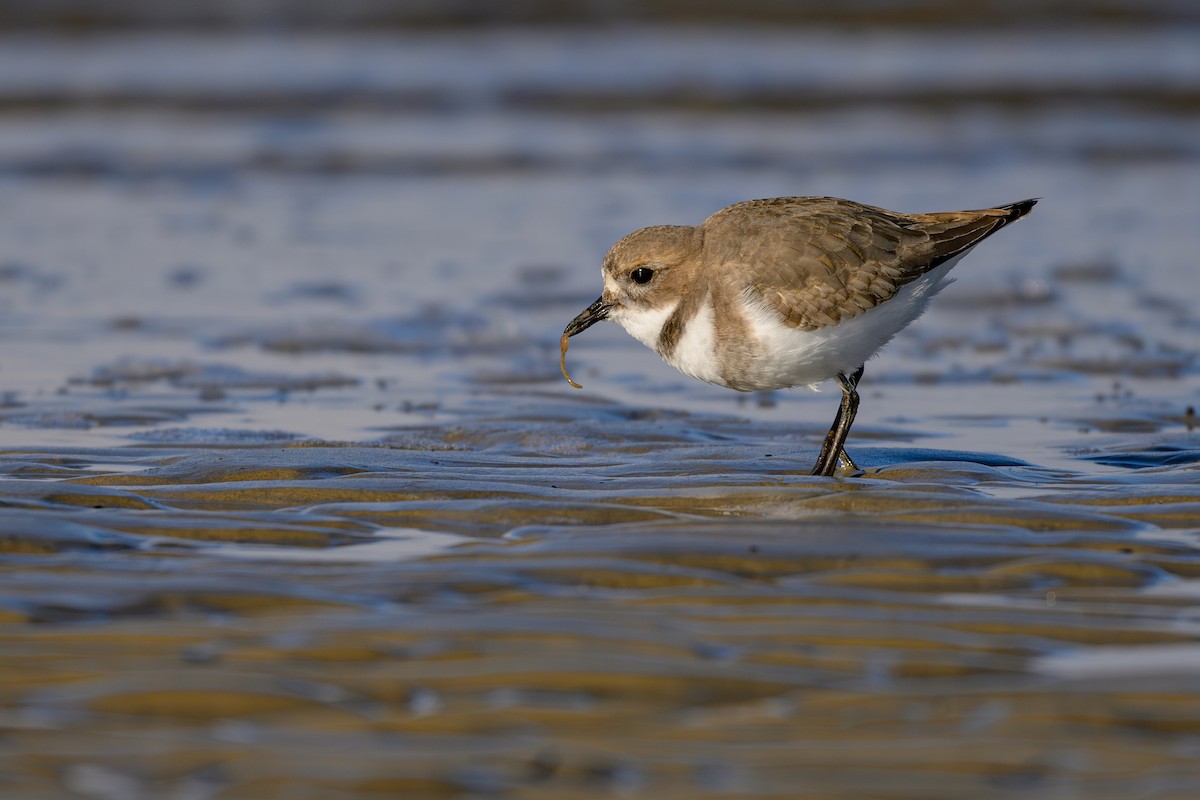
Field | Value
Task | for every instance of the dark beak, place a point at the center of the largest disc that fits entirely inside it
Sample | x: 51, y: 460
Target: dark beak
x: 594, y: 313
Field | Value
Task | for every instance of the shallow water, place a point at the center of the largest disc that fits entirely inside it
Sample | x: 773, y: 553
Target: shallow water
x: 295, y: 503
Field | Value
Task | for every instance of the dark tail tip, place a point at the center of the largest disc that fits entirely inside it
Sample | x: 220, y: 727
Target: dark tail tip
x: 1020, y: 209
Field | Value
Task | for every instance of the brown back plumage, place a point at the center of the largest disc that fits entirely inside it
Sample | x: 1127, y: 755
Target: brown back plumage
x: 817, y: 260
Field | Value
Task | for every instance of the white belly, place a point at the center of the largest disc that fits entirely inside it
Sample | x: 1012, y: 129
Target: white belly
x: 790, y: 357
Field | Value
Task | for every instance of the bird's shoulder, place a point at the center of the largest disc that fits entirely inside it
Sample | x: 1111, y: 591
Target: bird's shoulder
x: 814, y: 260
x: 818, y: 260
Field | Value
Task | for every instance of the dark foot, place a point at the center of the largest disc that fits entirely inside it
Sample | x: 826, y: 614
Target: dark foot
x: 833, y: 449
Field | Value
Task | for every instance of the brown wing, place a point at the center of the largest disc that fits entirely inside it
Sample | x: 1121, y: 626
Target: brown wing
x: 818, y: 260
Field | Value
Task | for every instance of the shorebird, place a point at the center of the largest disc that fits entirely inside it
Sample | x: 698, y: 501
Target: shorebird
x: 783, y: 292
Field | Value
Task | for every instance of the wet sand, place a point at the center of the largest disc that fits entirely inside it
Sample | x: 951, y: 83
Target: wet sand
x: 294, y: 501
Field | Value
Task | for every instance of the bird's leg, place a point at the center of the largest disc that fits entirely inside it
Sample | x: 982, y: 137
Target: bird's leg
x: 833, y: 450
x: 824, y: 465
x: 844, y: 459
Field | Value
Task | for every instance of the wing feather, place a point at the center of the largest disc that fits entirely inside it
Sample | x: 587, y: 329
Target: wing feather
x: 818, y: 260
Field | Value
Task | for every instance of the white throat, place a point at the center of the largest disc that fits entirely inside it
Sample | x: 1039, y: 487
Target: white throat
x: 644, y: 324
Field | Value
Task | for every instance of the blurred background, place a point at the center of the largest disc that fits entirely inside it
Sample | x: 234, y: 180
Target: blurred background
x: 294, y: 501
x: 202, y: 186
x: 199, y: 187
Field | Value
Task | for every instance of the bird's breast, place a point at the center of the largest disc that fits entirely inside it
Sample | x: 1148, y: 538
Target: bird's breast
x: 683, y: 334
x: 694, y: 351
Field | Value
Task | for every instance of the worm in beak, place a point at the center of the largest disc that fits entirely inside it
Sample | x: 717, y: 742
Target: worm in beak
x: 594, y: 313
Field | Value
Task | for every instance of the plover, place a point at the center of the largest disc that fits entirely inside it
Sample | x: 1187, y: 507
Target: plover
x: 789, y: 291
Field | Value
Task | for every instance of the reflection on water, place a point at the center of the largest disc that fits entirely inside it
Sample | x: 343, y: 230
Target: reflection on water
x: 294, y: 502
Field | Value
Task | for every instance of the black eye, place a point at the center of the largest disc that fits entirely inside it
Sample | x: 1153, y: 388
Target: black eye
x: 642, y: 275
